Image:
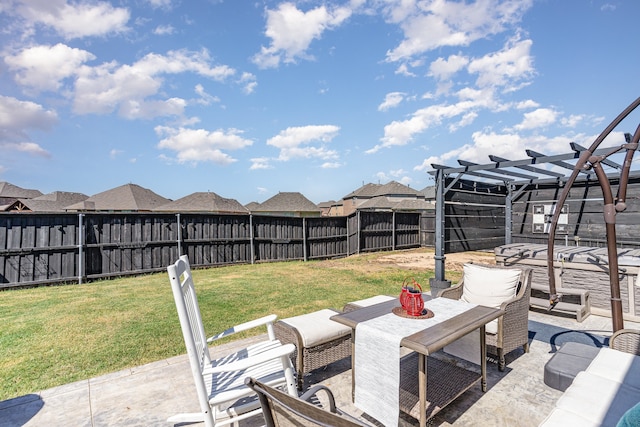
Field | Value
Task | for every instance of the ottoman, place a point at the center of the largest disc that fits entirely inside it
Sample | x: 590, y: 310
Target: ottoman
x: 566, y: 363
x: 318, y: 340
x: 354, y: 305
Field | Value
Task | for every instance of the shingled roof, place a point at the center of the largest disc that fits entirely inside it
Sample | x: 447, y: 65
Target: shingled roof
x: 128, y: 197
x: 288, y: 202
x: 204, y: 202
x: 8, y: 190
x: 56, y: 201
x: 366, y: 191
x: 392, y: 188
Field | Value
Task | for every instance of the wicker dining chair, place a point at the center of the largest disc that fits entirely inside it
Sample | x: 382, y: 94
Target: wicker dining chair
x: 282, y: 410
x: 513, y: 326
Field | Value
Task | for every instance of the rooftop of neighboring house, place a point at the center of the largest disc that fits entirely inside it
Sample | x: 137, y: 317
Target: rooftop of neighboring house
x: 204, y: 202
x: 392, y: 188
x: 8, y: 190
x: 128, y: 197
x: 287, y: 202
x: 56, y: 201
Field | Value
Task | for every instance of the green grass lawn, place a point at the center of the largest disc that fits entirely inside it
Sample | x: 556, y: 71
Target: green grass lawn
x: 60, y: 334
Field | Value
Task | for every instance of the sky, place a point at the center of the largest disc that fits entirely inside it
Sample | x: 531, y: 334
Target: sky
x: 250, y: 98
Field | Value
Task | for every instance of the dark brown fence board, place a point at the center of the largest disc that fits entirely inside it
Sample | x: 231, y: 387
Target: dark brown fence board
x: 45, y: 248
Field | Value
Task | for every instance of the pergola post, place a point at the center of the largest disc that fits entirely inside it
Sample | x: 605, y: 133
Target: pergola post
x: 438, y: 282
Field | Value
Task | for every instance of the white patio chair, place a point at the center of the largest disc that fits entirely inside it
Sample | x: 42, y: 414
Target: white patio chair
x: 222, y: 394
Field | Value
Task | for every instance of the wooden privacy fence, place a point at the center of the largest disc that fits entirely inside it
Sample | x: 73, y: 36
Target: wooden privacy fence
x: 40, y: 248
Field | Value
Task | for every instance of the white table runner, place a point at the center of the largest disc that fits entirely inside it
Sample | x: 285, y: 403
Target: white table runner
x: 377, y: 357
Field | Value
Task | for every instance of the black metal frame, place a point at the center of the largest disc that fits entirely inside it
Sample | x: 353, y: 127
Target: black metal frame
x: 518, y: 175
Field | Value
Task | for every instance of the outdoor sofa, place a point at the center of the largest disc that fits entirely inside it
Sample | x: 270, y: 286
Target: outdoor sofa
x: 607, y: 392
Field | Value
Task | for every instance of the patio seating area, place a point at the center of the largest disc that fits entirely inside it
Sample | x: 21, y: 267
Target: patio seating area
x: 149, y: 394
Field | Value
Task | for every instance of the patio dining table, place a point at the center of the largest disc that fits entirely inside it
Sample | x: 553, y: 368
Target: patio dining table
x: 438, y: 382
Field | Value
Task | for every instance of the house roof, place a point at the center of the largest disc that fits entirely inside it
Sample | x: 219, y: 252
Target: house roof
x: 51, y: 202
x: 9, y: 190
x: 367, y: 190
x: 252, y: 205
x: 382, y: 202
x: 287, y: 202
x: 392, y: 188
x: 429, y: 192
x: 128, y: 197
x: 204, y: 202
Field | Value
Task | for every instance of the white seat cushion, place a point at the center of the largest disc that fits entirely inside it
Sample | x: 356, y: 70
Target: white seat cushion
x: 373, y: 300
x: 598, y: 399
x: 563, y: 418
x: 489, y: 287
x: 617, y: 366
x: 317, y: 328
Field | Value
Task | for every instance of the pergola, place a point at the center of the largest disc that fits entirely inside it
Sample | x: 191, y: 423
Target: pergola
x: 538, y: 168
x: 515, y: 175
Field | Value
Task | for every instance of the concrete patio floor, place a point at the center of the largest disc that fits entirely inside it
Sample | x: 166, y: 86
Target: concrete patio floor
x: 147, y: 395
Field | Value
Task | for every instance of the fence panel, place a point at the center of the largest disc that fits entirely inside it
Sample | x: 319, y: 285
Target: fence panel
x: 217, y: 239
x: 326, y: 237
x: 278, y: 238
x: 37, y: 249
x: 40, y: 248
x: 407, y: 230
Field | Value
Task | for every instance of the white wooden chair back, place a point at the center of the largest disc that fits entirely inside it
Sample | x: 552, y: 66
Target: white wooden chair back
x: 192, y: 329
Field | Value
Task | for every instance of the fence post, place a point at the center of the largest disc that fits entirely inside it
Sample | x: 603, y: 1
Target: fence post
x: 179, y: 235
x: 80, y: 248
x: 393, y: 230
x: 359, y: 229
x: 304, y: 239
x: 251, y: 239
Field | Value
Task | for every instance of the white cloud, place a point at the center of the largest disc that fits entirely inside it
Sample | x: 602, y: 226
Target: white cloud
x: 510, y: 146
x: 506, y: 67
x: 331, y: 165
x: 391, y: 100
x: 73, y: 19
x: 17, y: 118
x: 537, y: 119
x: 260, y: 163
x: 200, y: 145
x: 399, y: 133
x: 573, y: 120
x: 403, y: 69
x: 25, y: 147
x: 248, y: 81
x: 291, y: 32
x: 205, y: 98
x: 443, y: 69
x: 165, y: 4
x: 431, y: 25
x: 295, y: 142
x: 45, y: 67
x: 163, y: 30
x: 110, y: 86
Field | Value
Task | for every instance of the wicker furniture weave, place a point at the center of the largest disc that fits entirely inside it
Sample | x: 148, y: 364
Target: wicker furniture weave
x: 513, y: 327
x: 627, y: 340
x: 281, y: 410
x: 306, y: 359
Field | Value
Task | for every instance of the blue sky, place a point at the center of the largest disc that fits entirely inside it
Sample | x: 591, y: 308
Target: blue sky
x: 249, y: 98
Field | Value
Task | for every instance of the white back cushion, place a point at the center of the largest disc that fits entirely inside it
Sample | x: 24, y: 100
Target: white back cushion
x: 489, y: 287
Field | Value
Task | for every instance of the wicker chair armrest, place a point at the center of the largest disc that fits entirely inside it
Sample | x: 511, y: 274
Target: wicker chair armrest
x: 627, y: 340
x: 454, y: 292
